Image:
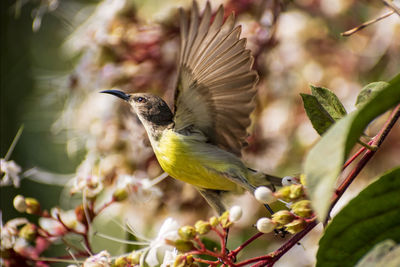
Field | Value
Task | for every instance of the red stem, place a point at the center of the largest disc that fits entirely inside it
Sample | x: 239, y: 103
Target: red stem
x: 271, y: 258
x: 211, y: 263
x: 349, y: 161
x: 104, y: 206
x: 242, y: 246
x: 84, y: 234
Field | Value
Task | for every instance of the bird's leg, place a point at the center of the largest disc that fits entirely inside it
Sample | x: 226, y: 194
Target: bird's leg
x: 269, y: 209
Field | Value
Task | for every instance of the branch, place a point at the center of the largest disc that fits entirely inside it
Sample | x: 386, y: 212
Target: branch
x: 271, y: 258
x: 365, y: 24
x: 277, y: 254
x: 377, y: 141
x: 392, y: 6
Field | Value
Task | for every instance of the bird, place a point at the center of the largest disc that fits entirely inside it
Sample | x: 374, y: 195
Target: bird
x: 200, y: 143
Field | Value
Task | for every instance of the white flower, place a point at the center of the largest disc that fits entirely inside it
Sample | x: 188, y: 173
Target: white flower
x: 11, y: 171
x: 138, y: 189
x: 91, y: 184
x: 85, y: 181
x: 95, y: 29
x: 169, y: 258
x: 55, y: 228
x: 264, y: 195
x: 9, y: 232
x: 158, y: 247
x: 102, y: 259
x: 21, y: 246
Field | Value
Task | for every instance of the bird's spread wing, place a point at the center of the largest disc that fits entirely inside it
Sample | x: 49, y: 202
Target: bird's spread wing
x: 216, y: 86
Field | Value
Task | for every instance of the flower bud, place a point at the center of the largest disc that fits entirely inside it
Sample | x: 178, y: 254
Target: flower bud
x: 32, y: 206
x: 235, y: 213
x: 302, y: 208
x: 295, y: 226
x: 303, y: 179
x: 120, y: 194
x: 296, y: 191
x: 283, y: 217
x: 19, y: 203
x: 224, y: 220
x: 121, y: 262
x: 183, y: 261
x: 134, y: 257
x: 214, y: 221
x: 183, y: 245
x: 264, y: 195
x: 266, y: 225
x: 28, y: 232
x: 202, y: 227
x: 283, y: 193
x: 187, y: 232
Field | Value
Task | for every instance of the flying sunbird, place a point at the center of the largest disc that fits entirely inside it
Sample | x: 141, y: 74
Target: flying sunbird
x: 201, y: 141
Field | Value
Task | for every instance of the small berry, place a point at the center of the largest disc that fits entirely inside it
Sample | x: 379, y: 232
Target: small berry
x: 264, y: 195
x: 19, y: 203
x: 235, y: 213
x: 265, y: 225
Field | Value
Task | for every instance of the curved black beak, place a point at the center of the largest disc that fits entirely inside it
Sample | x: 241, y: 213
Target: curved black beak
x: 117, y: 93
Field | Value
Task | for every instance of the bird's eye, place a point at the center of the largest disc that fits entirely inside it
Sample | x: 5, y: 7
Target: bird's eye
x: 141, y: 99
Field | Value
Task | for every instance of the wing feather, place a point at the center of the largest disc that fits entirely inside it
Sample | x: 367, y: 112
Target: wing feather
x: 216, y: 84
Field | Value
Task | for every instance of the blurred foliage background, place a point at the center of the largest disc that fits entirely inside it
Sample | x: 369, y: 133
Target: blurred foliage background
x: 57, y: 55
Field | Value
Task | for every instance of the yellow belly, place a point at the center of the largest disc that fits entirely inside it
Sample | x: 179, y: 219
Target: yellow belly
x: 187, y: 159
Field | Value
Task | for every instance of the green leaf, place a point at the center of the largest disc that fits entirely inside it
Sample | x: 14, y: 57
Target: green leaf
x: 319, y: 117
x: 325, y: 160
x: 385, y: 254
x: 369, y: 218
x: 369, y: 91
x: 329, y: 101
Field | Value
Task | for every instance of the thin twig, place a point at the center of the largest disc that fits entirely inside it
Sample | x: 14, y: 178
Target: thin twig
x: 365, y: 24
x: 14, y: 143
x: 105, y: 206
x: 393, y: 7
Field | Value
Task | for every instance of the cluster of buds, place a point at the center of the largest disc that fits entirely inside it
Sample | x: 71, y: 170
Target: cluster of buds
x: 184, y: 261
x: 21, y: 241
x: 293, y: 220
x: 132, y: 259
x: 189, y: 236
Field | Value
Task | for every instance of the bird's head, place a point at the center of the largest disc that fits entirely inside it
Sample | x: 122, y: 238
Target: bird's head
x: 151, y: 109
